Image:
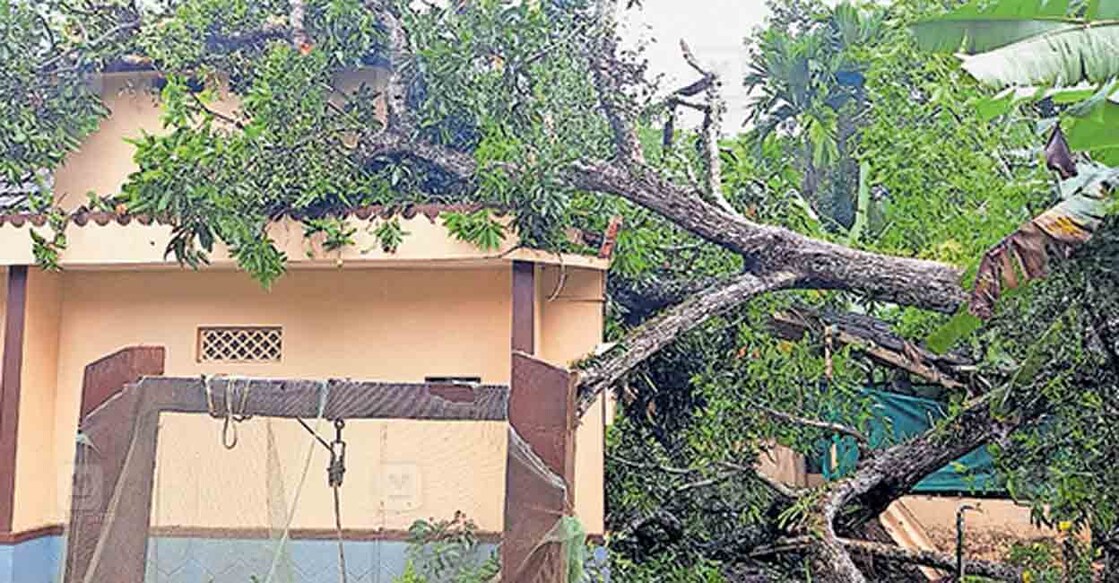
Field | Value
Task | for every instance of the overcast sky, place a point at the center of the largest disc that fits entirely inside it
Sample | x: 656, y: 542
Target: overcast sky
x: 715, y: 30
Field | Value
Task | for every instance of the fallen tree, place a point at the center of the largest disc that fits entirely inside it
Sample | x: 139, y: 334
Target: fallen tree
x: 339, y: 137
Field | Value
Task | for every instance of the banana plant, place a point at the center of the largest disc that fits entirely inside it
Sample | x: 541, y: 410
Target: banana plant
x: 1067, y: 52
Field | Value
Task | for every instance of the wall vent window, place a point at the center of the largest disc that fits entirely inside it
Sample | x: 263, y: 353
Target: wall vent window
x: 240, y: 344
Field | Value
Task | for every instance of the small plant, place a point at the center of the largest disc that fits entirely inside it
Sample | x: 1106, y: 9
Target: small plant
x: 446, y: 551
x: 478, y: 228
x: 48, y: 248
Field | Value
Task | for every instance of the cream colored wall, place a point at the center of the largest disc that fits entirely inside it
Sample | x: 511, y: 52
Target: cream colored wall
x: 138, y: 245
x: 104, y: 160
x: 371, y: 324
x: 937, y: 514
x: 37, y: 469
x: 397, y: 472
x: 409, y: 315
x: 570, y: 311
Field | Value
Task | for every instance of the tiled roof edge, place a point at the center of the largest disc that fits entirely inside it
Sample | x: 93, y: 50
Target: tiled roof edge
x: 83, y: 216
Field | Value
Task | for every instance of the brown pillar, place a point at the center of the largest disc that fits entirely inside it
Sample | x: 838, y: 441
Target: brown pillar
x: 106, y: 502
x: 12, y: 371
x: 540, y: 471
x: 524, y: 307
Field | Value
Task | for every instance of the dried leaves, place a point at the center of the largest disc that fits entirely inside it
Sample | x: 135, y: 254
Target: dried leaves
x: 1025, y: 254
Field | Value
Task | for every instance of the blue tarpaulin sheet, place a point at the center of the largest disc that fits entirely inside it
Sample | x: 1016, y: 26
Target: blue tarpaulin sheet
x: 898, y: 417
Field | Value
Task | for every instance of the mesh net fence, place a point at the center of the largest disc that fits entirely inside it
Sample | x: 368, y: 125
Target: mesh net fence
x: 252, y: 480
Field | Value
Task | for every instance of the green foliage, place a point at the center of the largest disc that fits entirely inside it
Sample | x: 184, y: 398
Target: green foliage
x: 46, y: 103
x: 1043, y: 45
x: 336, y: 233
x: 479, y: 228
x: 389, y: 234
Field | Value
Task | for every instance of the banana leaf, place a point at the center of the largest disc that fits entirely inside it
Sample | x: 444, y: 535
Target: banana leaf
x: 982, y: 25
x: 1025, y: 254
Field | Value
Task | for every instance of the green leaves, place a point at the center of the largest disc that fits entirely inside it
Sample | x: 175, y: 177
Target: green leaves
x: 478, y: 228
x: 982, y: 25
x: 1096, y: 132
x: 389, y: 235
x: 1062, y: 57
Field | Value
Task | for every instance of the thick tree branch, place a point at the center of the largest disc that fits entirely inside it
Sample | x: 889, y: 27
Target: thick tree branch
x: 820, y: 264
x: 978, y: 568
x: 399, y: 57
x: 395, y: 141
x: 887, y: 474
x: 608, y: 73
x: 659, y: 331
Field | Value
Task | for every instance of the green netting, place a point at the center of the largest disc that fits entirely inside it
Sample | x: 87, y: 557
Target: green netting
x: 898, y: 417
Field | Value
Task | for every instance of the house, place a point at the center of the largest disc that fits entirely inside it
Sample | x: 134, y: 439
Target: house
x: 467, y: 343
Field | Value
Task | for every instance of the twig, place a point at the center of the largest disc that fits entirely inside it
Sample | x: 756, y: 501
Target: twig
x: 826, y: 425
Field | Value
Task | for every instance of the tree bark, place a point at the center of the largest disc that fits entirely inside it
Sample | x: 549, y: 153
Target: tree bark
x: 662, y: 329
x: 821, y: 264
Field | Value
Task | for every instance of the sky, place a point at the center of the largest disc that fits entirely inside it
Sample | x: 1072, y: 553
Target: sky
x: 714, y: 29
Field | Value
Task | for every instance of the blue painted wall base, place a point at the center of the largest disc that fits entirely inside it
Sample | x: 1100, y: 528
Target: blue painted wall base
x: 34, y: 561
x: 200, y: 560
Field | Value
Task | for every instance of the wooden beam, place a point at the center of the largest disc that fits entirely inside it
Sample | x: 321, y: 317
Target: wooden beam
x: 11, y: 371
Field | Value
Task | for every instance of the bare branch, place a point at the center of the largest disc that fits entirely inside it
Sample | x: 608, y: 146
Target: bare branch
x: 692, y: 61
x: 659, y: 331
x: 709, y: 133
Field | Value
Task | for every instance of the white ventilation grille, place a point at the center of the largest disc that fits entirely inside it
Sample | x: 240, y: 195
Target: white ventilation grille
x: 240, y: 344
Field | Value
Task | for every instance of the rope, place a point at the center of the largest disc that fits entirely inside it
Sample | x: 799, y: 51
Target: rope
x: 232, y: 418
x: 233, y: 415
x: 335, y: 472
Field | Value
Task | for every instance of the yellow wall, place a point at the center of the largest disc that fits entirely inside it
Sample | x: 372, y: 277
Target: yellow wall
x: 397, y: 472
x: 569, y: 327
x: 104, y: 160
x: 37, y: 470
x: 377, y: 324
